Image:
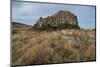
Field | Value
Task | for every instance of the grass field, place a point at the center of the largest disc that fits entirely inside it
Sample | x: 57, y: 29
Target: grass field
x: 60, y: 46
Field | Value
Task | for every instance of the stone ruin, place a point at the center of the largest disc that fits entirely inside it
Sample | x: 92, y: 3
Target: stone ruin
x: 60, y: 20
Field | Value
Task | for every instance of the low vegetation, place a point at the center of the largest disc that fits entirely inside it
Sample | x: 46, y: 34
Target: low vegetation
x: 60, y: 46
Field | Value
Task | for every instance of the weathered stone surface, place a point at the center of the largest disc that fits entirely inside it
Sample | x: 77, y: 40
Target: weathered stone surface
x: 60, y: 20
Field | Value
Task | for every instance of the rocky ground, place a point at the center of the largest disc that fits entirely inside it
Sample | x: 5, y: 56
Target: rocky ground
x: 60, y: 46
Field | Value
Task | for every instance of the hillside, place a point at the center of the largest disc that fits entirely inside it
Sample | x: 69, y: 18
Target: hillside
x: 59, y: 46
x: 16, y: 27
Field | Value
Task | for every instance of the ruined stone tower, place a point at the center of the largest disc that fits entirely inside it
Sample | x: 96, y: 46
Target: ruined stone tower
x: 60, y: 20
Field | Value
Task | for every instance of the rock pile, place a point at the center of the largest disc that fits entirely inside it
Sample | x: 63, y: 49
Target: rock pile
x: 60, y: 20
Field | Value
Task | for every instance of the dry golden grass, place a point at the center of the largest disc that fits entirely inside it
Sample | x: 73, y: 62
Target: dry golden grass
x: 34, y: 47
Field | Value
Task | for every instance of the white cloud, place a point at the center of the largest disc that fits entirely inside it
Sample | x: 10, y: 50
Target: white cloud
x: 25, y: 10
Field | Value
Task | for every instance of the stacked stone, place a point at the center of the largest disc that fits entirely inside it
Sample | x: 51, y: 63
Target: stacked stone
x: 58, y: 19
x: 66, y: 16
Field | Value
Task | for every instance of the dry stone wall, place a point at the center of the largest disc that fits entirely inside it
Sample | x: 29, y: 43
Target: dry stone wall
x: 60, y: 20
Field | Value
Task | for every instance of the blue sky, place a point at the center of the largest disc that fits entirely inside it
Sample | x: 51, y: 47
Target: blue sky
x: 29, y: 13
